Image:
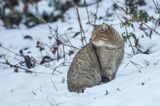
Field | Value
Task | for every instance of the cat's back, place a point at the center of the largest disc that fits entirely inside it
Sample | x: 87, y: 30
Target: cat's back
x: 84, y: 70
x: 84, y: 58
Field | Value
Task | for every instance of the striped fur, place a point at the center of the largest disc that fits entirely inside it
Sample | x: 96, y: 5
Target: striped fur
x: 98, y: 61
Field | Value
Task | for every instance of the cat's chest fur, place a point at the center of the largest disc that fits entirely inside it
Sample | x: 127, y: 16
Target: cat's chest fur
x: 107, y: 57
x: 105, y: 54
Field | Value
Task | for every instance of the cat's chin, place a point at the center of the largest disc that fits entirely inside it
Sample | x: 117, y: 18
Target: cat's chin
x: 111, y: 46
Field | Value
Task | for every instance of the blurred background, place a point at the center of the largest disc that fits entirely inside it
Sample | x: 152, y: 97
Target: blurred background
x: 23, y: 13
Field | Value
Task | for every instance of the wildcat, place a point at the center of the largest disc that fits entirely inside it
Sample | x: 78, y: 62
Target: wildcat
x: 97, y: 62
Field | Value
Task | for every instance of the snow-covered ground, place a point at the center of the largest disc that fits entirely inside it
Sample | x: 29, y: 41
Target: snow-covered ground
x: 137, y: 82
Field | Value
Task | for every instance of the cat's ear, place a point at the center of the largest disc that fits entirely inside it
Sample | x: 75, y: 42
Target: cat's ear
x: 104, y: 27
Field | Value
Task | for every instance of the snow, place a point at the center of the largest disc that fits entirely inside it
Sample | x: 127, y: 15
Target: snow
x: 137, y: 82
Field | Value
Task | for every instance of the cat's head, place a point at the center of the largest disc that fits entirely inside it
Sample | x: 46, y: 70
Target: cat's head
x: 106, y: 36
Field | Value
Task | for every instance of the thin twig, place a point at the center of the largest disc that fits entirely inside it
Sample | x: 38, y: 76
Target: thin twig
x: 156, y: 4
x: 83, y: 38
x: 151, y: 28
x: 54, y: 85
x: 136, y: 65
x: 10, y: 50
x: 57, y: 34
x: 96, y: 11
x: 126, y: 33
x: 64, y: 54
x: 129, y: 40
x: 26, y: 70
x: 71, y: 46
x: 52, y: 69
x: 60, y: 65
x: 87, y: 11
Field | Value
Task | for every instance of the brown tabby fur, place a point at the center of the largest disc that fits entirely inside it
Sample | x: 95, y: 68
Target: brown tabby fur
x: 98, y: 61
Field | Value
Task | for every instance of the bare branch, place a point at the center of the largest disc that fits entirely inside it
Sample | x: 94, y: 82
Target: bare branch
x: 83, y: 38
x: 54, y: 85
x: 126, y: 33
